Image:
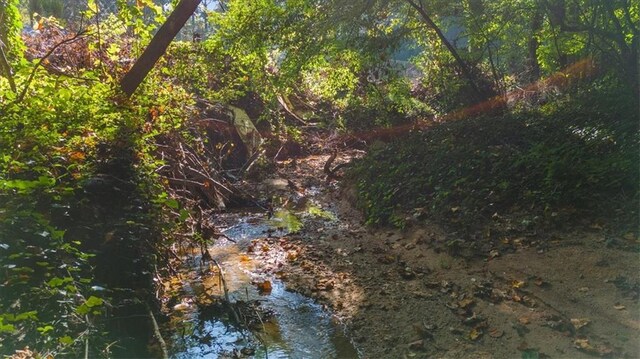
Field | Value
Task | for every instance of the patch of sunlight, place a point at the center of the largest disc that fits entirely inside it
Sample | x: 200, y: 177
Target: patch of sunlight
x: 287, y: 220
x: 318, y: 212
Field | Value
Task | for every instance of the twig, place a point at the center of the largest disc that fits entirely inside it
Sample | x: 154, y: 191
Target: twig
x: 264, y: 344
x: 252, y: 160
x: 156, y: 332
x: 224, y: 282
x: 39, y: 63
x: 226, y: 291
x: 6, y: 68
x: 86, y: 347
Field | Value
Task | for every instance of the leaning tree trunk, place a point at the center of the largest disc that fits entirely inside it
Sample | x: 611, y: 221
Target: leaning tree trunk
x: 464, y: 67
x: 158, y: 45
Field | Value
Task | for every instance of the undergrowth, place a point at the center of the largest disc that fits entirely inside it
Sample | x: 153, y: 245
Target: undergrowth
x: 80, y: 212
x: 575, y: 155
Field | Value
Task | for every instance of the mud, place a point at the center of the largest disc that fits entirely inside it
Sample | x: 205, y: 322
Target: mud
x: 401, y: 296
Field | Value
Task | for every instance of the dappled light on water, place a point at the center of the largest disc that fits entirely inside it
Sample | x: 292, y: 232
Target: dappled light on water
x: 286, y: 324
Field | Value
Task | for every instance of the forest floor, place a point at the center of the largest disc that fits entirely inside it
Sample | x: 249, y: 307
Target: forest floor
x: 400, y: 295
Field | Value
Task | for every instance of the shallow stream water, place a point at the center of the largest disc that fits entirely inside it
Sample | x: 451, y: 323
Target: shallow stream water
x: 297, y: 327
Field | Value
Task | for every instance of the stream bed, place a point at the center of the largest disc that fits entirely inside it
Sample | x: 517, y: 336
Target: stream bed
x: 283, y: 324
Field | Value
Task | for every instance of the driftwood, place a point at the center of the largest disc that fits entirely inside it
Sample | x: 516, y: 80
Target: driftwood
x: 332, y: 173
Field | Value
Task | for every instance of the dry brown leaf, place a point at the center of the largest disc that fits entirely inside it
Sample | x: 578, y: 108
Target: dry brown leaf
x: 495, y: 333
x: 264, y: 287
x: 292, y: 256
x: 579, y: 322
x: 585, y: 346
x: 524, y: 320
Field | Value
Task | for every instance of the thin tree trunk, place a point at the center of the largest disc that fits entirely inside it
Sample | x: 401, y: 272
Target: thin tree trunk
x: 533, y: 66
x: 158, y: 45
x: 464, y: 67
x: 5, y: 69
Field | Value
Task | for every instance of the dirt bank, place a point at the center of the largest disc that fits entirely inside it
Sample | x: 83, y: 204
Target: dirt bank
x: 402, y: 296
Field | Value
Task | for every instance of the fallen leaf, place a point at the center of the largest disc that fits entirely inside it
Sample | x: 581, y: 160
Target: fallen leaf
x: 475, y: 334
x: 579, y: 322
x: 584, y: 345
x: 583, y: 289
x: 619, y: 307
x: 292, y: 256
x: 495, y: 333
x: 466, y: 303
x: 524, y: 320
x: 264, y: 287
x: 539, y: 282
x: 518, y: 283
x: 244, y: 258
x: 596, y: 226
x: 417, y: 345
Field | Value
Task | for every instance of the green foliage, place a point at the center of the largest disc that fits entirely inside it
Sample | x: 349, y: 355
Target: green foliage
x: 579, y: 152
x: 76, y: 183
x: 10, y: 29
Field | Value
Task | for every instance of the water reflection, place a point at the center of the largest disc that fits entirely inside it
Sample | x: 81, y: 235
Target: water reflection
x: 296, y: 328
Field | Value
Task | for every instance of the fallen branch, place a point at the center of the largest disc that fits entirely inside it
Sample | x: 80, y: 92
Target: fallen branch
x: 156, y: 332
x: 283, y: 102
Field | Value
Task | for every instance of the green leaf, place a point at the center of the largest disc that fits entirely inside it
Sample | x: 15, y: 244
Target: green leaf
x: 57, y: 281
x: 93, y: 301
x: 172, y: 203
x: 184, y: 214
x: 44, y: 330
x: 27, y: 315
x: 6, y: 328
x: 92, y: 6
x: 66, y: 340
x: 82, y: 309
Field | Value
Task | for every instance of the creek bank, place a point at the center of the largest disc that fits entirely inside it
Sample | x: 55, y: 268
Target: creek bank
x: 402, y: 294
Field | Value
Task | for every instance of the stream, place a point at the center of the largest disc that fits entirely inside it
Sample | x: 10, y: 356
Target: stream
x: 283, y: 324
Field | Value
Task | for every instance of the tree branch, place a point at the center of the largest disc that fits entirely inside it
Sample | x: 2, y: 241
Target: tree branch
x: 76, y: 37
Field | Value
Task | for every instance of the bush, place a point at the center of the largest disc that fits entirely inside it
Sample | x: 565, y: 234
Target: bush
x: 578, y: 152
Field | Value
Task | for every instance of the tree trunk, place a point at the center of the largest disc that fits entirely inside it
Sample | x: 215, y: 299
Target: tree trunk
x: 533, y: 67
x: 158, y: 45
x: 464, y: 67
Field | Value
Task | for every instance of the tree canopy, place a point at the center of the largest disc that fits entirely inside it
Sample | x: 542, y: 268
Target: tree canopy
x: 125, y: 126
